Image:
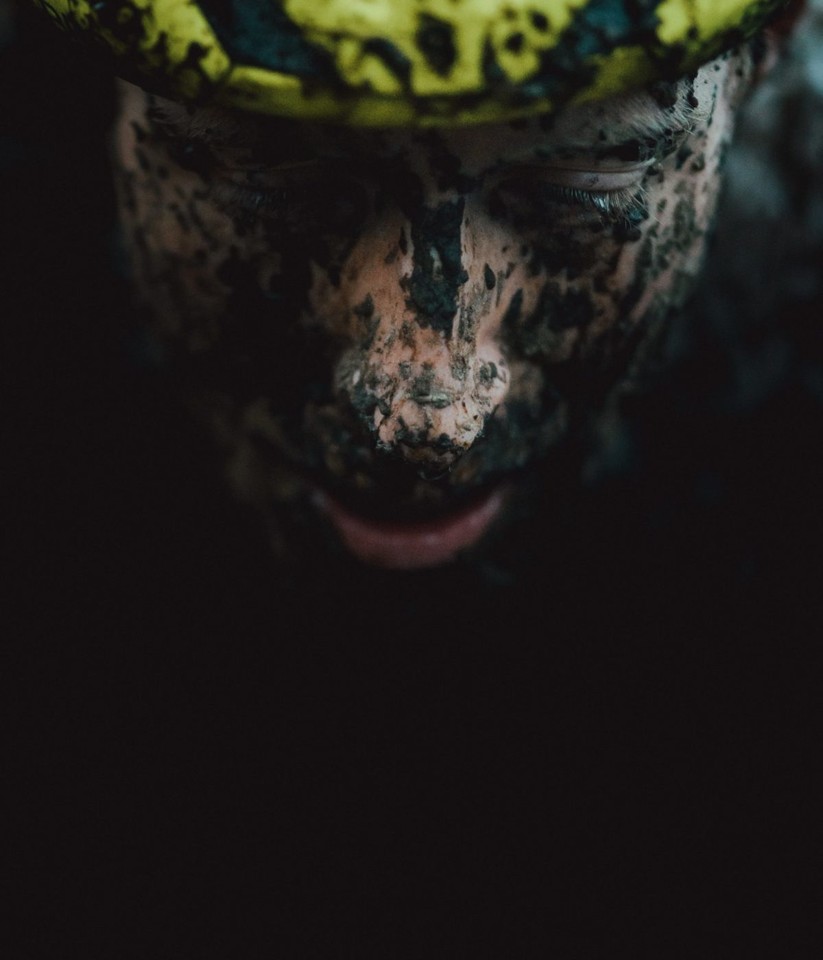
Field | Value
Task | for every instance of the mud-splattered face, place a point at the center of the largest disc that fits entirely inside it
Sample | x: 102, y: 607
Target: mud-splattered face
x: 388, y: 329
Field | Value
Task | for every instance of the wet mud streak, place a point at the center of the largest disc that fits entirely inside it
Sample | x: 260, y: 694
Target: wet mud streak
x: 438, y: 273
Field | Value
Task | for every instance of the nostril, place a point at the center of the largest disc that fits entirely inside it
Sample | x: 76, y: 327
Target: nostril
x: 425, y: 453
x: 433, y: 472
x: 431, y: 464
x: 425, y: 445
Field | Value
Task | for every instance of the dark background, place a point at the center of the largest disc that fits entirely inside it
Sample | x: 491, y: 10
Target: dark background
x: 203, y: 747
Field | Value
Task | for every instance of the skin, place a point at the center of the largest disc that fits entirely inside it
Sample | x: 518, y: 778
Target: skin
x: 406, y: 319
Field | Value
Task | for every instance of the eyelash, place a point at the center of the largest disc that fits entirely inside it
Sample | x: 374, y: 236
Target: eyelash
x: 615, y: 204
x: 254, y: 200
x: 625, y: 205
x: 251, y: 202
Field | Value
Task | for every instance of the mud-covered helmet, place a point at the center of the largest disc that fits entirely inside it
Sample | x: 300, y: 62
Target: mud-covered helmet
x: 407, y: 62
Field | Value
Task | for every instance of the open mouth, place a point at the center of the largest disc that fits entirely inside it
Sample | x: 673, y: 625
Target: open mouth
x: 417, y: 543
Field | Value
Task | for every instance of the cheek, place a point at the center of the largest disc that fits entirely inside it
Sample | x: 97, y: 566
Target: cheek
x: 622, y: 279
x: 566, y: 291
x: 182, y: 249
x: 656, y: 274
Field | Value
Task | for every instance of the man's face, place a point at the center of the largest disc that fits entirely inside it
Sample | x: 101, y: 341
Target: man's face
x: 388, y: 329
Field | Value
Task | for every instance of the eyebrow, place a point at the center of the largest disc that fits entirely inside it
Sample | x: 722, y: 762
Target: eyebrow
x: 647, y: 144
x: 204, y: 124
x: 651, y: 119
x: 646, y: 131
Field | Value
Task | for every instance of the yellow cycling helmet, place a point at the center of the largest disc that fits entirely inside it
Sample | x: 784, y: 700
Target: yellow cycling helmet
x: 408, y: 62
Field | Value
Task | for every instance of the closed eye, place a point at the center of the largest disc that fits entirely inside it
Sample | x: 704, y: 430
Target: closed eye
x: 255, y: 190
x: 624, y: 203
x: 247, y: 201
x: 306, y: 198
x: 613, y: 194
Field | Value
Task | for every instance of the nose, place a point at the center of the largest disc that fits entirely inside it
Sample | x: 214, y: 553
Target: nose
x: 436, y: 406
x: 425, y: 369
x: 427, y: 402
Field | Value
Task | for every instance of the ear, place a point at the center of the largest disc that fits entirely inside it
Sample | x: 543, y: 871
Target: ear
x: 782, y: 27
x: 775, y: 37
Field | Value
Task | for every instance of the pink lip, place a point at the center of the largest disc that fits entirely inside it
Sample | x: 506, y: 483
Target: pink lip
x: 412, y: 546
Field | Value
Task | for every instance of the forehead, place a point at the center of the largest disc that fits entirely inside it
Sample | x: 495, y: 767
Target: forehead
x: 613, y: 127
